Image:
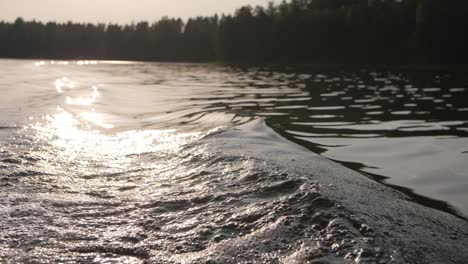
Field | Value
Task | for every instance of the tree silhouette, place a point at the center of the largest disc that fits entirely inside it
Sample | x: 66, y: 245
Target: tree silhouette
x: 299, y: 31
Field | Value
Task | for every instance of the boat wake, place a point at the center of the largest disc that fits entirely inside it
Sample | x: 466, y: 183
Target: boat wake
x: 236, y: 195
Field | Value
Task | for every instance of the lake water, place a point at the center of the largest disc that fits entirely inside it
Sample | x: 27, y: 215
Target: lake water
x: 118, y: 132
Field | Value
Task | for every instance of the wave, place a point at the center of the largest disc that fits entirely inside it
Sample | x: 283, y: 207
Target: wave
x: 242, y: 194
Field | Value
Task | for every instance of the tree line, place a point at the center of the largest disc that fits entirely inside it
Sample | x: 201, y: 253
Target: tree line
x: 298, y: 31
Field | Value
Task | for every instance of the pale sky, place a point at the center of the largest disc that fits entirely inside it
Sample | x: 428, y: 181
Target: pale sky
x: 115, y: 11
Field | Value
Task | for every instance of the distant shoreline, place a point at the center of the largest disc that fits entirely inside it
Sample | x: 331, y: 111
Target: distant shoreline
x: 311, y: 66
x: 407, y: 32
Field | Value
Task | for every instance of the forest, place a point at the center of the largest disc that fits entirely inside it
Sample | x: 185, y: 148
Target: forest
x: 297, y: 31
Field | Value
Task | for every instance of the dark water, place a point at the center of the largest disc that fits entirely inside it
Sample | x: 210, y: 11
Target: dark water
x: 97, y: 156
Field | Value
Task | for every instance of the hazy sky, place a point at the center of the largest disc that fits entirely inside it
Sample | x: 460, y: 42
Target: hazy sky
x: 116, y: 11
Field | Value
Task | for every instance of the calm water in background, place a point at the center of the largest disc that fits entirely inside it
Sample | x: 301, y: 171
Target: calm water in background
x: 408, y: 129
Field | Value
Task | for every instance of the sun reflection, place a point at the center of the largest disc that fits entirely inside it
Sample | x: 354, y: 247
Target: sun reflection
x: 84, y: 101
x: 92, y: 117
x: 72, y: 139
x: 39, y: 63
x: 86, y: 62
x: 119, y: 62
x: 82, y: 135
x: 95, y: 119
x: 63, y: 82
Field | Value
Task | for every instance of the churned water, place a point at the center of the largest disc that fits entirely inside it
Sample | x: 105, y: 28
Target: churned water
x: 133, y: 162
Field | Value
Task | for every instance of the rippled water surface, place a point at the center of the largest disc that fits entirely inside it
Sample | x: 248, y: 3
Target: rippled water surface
x: 125, y: 135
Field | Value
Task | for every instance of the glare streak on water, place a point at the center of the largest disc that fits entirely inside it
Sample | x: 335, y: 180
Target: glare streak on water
x: 92, y: 129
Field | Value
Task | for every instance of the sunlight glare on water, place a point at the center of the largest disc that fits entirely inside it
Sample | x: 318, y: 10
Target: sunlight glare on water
x: 75, y: 132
